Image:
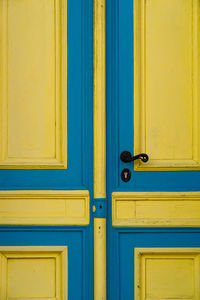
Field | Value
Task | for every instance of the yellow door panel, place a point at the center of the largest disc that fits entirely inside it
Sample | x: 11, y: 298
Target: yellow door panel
x: 156, y: 209
x: 167, y: 274
x: 33, y: 50
x: 166, y: 99
x: 38, y: 273
x: 44, y: 207
x: 33, y: 273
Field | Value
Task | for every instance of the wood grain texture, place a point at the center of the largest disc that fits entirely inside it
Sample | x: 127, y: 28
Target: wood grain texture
x: 156, y: 209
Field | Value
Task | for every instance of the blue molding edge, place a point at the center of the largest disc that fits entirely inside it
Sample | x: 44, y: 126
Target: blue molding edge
x: 79, y: 241
x: 100, y: 207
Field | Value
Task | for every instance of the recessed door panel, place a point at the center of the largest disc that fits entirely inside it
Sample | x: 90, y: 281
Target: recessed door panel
x: 33, y: 84
x: 159, y: 263
x: 166, y: 90
x: 34, y: 272
x: 162, y: 273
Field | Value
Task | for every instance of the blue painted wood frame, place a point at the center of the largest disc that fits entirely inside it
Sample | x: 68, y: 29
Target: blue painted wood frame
x: 79, y: 174
x: 122, y: 241
x: 146, y: 238
x: 80, y: 251
x: 120, y: 108
x: 79, y: 112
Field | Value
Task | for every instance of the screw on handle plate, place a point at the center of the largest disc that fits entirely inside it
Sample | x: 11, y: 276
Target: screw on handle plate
x: 127, y: 157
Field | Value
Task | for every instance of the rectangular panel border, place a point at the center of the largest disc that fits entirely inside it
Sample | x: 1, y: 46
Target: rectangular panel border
x: 7, y: 252
x: 67, y: 218
x: 139, y: 96
x: 139, y: 291
x: 60, y: 159
x: 130, y: 218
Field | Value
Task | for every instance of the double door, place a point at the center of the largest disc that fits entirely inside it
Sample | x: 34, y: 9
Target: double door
x: 79, y: 219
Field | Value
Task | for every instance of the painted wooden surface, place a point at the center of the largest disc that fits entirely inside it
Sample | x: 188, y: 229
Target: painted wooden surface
x: 100, y: 278
x: 99, y: 101
x: 121, y: 241
x: 33, y: 74
x: 78, y: 86
x: 99, y: 115
x: 167, y: 266
x: 156, y: 209
x: 152, y: 107
x: 166, y: 273
x: 45, y: 207
x: 34, y: 273
x: 166, y: 76
x: 78, y: 266
x: 46, y: 99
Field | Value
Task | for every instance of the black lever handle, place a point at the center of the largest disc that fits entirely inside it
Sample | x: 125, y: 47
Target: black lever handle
x: 126, y: 157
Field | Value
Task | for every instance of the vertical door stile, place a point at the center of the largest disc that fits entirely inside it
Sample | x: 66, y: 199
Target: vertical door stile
x: 99, y: 152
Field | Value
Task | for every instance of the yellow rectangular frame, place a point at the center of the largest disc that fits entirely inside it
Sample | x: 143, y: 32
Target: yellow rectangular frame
x: 141, y: 254
x: 166, y: 84
x: 60, y: 254
x: 25, y: 104
x: 156, y: 209
x: 44, y: 207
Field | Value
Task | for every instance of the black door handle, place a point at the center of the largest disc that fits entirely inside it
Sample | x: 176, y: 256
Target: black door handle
x: 126, y: 157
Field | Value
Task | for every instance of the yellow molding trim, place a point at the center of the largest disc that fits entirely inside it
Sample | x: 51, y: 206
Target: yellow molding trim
x: 99, y: 101
x: 156, y: 209
x: 36, y: 253
x: 99, y: 258
x: 35, y: 140
x: 99, y: 148
x: 13, y: 249
x: 44, y: 207
x: 153, y: 265
x: 169, y: 136
x: 140, y: 251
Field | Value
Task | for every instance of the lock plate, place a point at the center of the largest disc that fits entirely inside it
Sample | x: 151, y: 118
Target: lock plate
x: 126, y: 175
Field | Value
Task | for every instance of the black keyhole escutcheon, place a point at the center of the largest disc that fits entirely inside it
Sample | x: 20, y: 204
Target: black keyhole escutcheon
x: 126, y: 175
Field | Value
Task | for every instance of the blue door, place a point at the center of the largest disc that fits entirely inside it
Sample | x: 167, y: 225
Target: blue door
x: 46, y: 182
x: 153, y: 189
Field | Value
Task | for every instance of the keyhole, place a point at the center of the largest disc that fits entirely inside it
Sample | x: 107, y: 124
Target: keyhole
x: 126, y: 175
